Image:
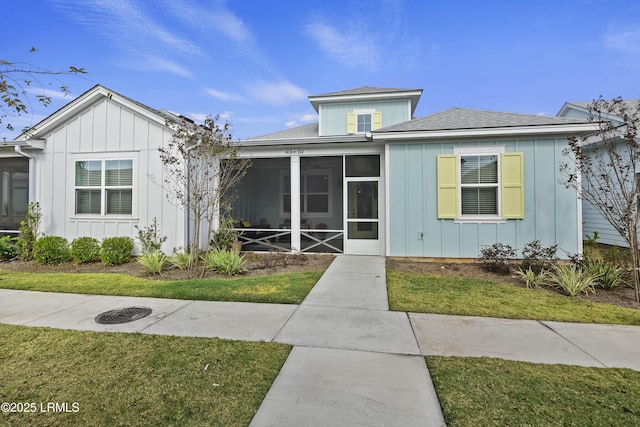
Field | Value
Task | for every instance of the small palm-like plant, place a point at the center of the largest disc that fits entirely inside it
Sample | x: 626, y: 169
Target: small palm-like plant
x: 226, y: 262
x: 573, y: 280
x: 153, y: 261
x: 533, y: 279
x: 182, y: 260
x: 606, y: 274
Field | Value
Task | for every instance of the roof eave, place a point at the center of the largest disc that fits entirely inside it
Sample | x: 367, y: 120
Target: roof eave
x: 414, y: 95
x: 303, y: 141
x: 81, y: 102
x: 574, y: 129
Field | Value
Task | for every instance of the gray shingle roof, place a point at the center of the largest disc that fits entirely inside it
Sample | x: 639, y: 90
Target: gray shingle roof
x: 629, y: 103
x: 364, y: 90
x: 306, y: 131
x: 463, y: 118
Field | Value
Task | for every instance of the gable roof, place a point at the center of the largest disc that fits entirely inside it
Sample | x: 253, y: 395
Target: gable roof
x: 583, y: 107
x: 88, y: 98
x: 305, y: 131
x: 367, y: 93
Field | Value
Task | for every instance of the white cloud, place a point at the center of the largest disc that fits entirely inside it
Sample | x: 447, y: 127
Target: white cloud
x: 53, y: 94
x: 160, y: 64
x: 276, y: 93
x: 302, y: 119
x: 223, y: 96
x: 354, y: 48
x: 624, y: 41
x: 126, y: 24
x: 226, y: 115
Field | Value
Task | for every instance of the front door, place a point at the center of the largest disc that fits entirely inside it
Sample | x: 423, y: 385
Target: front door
x: 362, y: 222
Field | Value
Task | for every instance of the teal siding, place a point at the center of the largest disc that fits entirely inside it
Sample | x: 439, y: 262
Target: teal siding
x: 550, y: 208
x: 333, y: 117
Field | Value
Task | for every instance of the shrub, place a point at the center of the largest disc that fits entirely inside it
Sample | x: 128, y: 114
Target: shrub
x: 153, y: 261
x: 116, y: 250
x: 51, y: 250
x: 537, y: 257
x: 224, y: 236
x: 182, y: 260
x: 534, y: 279
x: 606, y: 274
x: 85, y: 249
x: 226, y: 262
x: 150, y: 238
x: 497, y: 258
x: 573, y: 280
x: 29, y: 231
x: 8, y: 248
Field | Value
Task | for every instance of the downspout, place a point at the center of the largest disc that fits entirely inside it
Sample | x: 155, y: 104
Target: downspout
x: 32, y: 172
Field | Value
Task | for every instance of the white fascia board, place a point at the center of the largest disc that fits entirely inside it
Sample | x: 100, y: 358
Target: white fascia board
x: 85, y: 100
x: 304, y: 141
x: 317, y: 100
x: 467, y: 133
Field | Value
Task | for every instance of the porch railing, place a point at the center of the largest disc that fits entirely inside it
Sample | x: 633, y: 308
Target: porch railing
x: 270, y: 239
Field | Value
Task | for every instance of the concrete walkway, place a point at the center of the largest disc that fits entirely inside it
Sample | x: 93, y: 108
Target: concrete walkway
x: 353, y: 361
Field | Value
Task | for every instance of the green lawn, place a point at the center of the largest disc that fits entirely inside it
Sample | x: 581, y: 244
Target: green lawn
x: 285, y: 288
x: 133, y: 379
x: 420, y: 293
x: 487, y: 392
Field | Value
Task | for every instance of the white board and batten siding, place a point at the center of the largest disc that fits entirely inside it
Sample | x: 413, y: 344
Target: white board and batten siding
x: 106, y: 130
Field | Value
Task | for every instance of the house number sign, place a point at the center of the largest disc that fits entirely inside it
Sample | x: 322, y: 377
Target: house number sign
x: 293, y: 151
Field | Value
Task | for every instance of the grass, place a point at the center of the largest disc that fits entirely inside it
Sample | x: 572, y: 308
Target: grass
x: 133, y: 379
x: 284, y: 288
x: 485, y: 392
x: 420, y: 293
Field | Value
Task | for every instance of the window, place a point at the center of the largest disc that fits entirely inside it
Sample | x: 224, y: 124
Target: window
x: 480, y: 184
x: 363, y: 123
x: 315, y: 193
x: 104, y: 187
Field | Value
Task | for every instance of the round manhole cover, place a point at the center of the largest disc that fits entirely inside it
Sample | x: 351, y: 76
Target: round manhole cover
x: 122, y: 315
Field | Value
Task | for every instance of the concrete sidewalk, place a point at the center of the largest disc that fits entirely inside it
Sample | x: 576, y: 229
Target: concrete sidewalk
x: 353, y: 362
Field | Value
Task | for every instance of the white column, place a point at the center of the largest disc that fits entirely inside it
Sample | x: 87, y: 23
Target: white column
x: 295, y: 203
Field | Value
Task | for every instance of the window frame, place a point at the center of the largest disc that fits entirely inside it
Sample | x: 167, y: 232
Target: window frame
x: 478, y: 152
x: 366, y: 112
x: 103, y: 187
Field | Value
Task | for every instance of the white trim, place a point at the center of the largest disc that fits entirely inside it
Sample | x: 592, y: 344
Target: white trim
x: 295, y: 204
x: 387, y: 207
x: 103, y: 188
x: 579, y: 210
x: 478, y: 151
x: 504, y: 131
x: 495, y: 150
x: 479, y: 220
x: 88, y: 98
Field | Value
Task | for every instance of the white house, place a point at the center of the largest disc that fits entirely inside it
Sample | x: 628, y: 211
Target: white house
x: 94, y: 167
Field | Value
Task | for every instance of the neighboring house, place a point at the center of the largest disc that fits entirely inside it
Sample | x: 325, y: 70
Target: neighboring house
x: 366, y: 179
x: 369, y: 179
x: 95, y: 170
x: 593, y: 221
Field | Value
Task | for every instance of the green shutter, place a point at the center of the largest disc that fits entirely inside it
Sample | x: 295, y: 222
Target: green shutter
x: 447, y: 186
x: 351, y: 123
x: 512, y: 185
x: 377, y: 120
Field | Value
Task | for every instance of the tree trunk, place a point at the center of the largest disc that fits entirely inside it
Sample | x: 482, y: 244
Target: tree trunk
x: 635, y: 258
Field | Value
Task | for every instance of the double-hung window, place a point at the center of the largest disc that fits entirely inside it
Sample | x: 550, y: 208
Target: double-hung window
x: 480, y: 184
x: 104, y: 187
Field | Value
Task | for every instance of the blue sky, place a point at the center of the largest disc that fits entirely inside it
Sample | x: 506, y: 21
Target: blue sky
x: 256, y: 62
